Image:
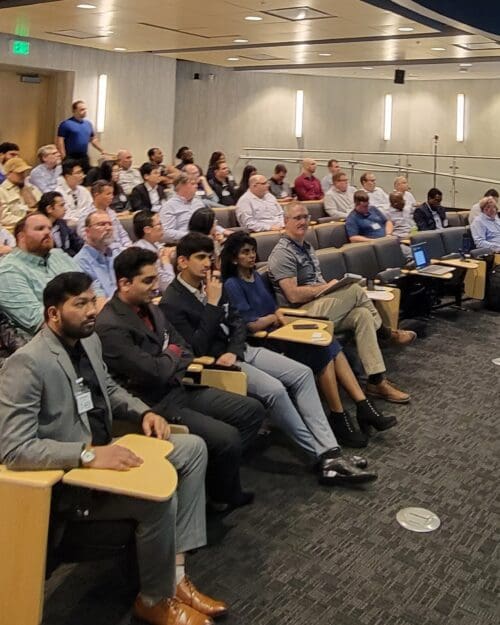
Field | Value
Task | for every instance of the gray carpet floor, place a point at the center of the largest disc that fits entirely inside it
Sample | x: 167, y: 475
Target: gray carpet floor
x: 305, y: 554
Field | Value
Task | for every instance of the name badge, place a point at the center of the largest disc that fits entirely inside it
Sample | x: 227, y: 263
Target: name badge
x: 376, y: 226
x: 200, y: 192
x: 283, y: 194
x: 83, y: 397
x: 166, y: 341
x: 225, y: 193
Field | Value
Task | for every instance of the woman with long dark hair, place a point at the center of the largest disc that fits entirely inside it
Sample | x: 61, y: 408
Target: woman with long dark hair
x: 248, y: 170
x: 110, y: 171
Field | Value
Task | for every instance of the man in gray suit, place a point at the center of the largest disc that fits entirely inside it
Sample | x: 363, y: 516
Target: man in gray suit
x: 57, y: 402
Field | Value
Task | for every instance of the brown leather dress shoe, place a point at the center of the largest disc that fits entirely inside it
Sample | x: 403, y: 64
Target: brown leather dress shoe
x: 402, y: 337
x: 188, y: 594
x: 386, y: 390
x: 169, y: 612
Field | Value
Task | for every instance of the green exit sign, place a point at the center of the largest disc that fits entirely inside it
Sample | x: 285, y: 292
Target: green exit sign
x: 20, y: 48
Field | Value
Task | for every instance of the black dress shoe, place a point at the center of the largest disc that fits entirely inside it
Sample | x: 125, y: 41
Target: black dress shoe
x: 347, y: 430
x: 340, y: 471
x: 368, y: 415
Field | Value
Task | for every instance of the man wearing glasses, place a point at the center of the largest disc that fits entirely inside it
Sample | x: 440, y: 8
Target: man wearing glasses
x: 257, y: 209
x: 296, y: 275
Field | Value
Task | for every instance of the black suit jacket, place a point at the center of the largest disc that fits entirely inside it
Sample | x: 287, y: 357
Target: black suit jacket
x: 135, y: 354
x: 139, y: 198
x: 71, y: 243
x: 424, y: 219
x: 201, y: 325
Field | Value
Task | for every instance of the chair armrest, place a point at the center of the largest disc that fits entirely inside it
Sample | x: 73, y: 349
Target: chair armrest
x: 36, y: 479
x: 293, y: 312
x: 204, y: 360
x: 261, y: 334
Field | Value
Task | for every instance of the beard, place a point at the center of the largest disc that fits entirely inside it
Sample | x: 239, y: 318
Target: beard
x: 80, y: 331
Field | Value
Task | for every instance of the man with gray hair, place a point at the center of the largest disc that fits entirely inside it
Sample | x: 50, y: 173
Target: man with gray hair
x: 176, y: 212
x: 257, y: 209
x: 45, y: 175
x: 401, y: 185
x: 129, y: 177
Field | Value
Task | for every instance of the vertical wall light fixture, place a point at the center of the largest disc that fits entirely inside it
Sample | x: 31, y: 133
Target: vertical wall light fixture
x: 299, y: 113
x: 102, y: 90
x: 460, y: 116
x: 387, y: 117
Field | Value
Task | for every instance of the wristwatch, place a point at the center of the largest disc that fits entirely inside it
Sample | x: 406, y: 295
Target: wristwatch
x: 87, y: 456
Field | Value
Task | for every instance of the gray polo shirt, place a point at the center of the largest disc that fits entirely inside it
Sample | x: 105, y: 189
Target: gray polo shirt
x: 290, y: 259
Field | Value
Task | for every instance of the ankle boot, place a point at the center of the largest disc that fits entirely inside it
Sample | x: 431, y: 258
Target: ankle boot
x: 368, y: 415
x: 347, y: 430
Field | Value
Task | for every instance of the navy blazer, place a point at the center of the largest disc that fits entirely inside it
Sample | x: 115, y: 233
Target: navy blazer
x: 71, y: 243
x: 424, y: 219
x: 139, y: 199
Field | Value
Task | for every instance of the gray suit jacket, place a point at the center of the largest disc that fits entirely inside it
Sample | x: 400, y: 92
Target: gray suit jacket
x: 40, y: 427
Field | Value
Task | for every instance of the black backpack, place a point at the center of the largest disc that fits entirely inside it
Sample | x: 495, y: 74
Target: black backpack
x: 492, y: 299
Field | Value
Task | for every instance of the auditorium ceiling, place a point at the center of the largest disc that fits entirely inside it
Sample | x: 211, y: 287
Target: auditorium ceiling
x: 326, y: 37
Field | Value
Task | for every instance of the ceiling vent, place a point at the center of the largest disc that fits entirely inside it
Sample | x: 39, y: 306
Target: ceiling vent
x: 76, y: 34
x: 298, y: 14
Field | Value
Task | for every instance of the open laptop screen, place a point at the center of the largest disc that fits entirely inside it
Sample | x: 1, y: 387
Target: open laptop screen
x: 419, y: 252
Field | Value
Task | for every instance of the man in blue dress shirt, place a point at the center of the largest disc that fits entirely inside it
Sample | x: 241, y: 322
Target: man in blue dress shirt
x: 366, y: 222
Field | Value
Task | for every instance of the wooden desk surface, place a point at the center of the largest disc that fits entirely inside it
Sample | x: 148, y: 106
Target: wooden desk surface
x: 414, y: 272
x: 320, y: 336
x: 155, y: 479
x: 455, y: 262
x: 35, y: 479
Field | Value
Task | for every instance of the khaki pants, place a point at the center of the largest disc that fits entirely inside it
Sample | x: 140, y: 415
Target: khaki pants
x: 350, y: 309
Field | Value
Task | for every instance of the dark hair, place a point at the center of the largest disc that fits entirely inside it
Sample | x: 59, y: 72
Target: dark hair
x: 279, y: 168
x: 248, y: 171
x: 47, y: 200
x: 202, y: 220
x: 181, y: 150
x: 151, y: 151
x: 338, y: 175
x: 216, y: 156
x: 194, y: 242
x: 128, y: 264
x: 147, y: 168
x: 6, y: 146
x: 106, y: 173
x: 64, y: 286
x: 142, y: 219
x: 331, y: 161
x: 490, y: 192
x: 99, y: 186
x: 68, y: 165
x: 432, y: 193
x: 360, y: 196
x: 21, y: 224
x: 76, y: 103
x: 230, y: 251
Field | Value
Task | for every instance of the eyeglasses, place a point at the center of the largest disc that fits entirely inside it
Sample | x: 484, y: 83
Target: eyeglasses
x: 301, y: 217
x: 101, y: 224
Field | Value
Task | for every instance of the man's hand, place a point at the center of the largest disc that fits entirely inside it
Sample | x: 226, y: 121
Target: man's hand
x: 280, y: 318
x: 166, y: 254
x: 332, y: 282
x: 226, y: 360
x: 114, y: 457
x: 213, y: 289
x: 5, y: 249
x: 155, y: 425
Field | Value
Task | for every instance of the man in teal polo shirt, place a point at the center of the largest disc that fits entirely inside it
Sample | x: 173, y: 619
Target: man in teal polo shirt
x: 366, y: 222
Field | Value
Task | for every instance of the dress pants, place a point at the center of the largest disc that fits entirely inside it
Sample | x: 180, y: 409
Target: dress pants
x: 164, y: 528
x: 276, y: 380
x: 350, y: 309
x: 228, y: 423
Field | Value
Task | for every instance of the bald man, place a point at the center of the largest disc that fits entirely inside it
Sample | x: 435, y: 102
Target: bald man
x: 307, y: 186
x: 258, y: 210
x: 129, y: 176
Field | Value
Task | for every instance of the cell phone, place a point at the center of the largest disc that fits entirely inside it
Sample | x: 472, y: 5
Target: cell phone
x: 370, y: 284
x: 305, y: 326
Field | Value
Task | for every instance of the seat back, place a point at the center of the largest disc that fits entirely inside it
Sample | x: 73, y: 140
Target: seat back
x: 332, y: 263
x: 226, y: 216
x: 464, y: 218
x: 435, y: 247
x: 453, y: 219
x: 315, y: 209
x: 127, y: 221
x: 311, y: 238
x: 331, y: 234
x: 388, y: 253
x: 360, y: 258
x: 452, y: 239
x: 265, y: 243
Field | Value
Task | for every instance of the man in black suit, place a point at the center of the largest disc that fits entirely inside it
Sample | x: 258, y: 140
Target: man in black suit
x: 144, y: 351
x: 431, y: 215
x: 149, y: 195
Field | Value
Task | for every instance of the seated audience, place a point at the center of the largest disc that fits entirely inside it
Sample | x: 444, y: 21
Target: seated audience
x: 7, y: 242
x: 176, y: 213
x: 77, y: 198
x: 401, y: 186
x: 278, y: 186
x: 25, y: 272
x: 198, y: 308
x: 43, y: 427
x: 403, y: 224
x: 485, y: 228
x: 17, y: 195
x: 102, y: 196
x: 249, y: 295
x: 110, y: 171
x: 8, y: 150
x: 333, y: 167
x: 222, y: 184
x: 65, y: 238
x: 366, y: 222
x: 248, y: 171
x: 45, y: 176
x: 129, y: 177
x: 149, y: 195
x: 307, y: 186
x: 204, y: 221
x: 185, y: 154
x: 258, y: 210
x: 377, y: 196
x: 215, y: 159
x: 149, y: 234
x: 204, y: 191
x: 167, y: 172
x: 431, y: 215
x: 475, y: 211
x: 97, y: 255
x: 339, y: 200
x: 296, y: 276
x: 143, y: 349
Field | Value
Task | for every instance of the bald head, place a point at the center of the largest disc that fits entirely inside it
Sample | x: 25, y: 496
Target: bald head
x: 124, y: 159
x: 258, y: 185
x: 308, y: 166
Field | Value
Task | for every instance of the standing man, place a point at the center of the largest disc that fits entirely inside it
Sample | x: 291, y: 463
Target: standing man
x: 45, y: 175
x: 74, y: 135
x: 377, y: 196
x: 257, y: 209
x: 366, y: 222
x: 307, y: 186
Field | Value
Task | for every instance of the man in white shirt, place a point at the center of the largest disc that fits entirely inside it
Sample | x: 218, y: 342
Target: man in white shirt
x: 486, y: 228
x: 401, y: 186
x: 129, y: 177
x: 257, y: 209
x: 77, y: 198
x: 176, y: 213
x: 339, y: 200
x: 377, y: 196
x: 45, y: 176
x: 333, y: 167
x: 149, y: 234
x: 475, y: 211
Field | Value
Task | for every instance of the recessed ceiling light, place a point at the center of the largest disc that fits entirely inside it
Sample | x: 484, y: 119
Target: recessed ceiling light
x: 406, y: 29
x: 233, y: 58
x: 438, y: 49
x: 240, y: 40
x: 367, y: 68
x: 324, y: 54
x: 301, y: 15
x: 120, y: 49
x: 253, y: 18
x: 86, y: 6
x: 465, y: 64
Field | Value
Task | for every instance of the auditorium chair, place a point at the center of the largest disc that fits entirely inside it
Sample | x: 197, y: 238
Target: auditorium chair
x: 331, y: 234
x: 226, y: 217
x: 453, y: 218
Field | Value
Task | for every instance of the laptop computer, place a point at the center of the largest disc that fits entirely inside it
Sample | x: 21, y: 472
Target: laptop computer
x: 422, y: 263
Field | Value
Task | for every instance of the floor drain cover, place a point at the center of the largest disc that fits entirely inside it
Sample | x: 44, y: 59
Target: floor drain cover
x: 418, y: 519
